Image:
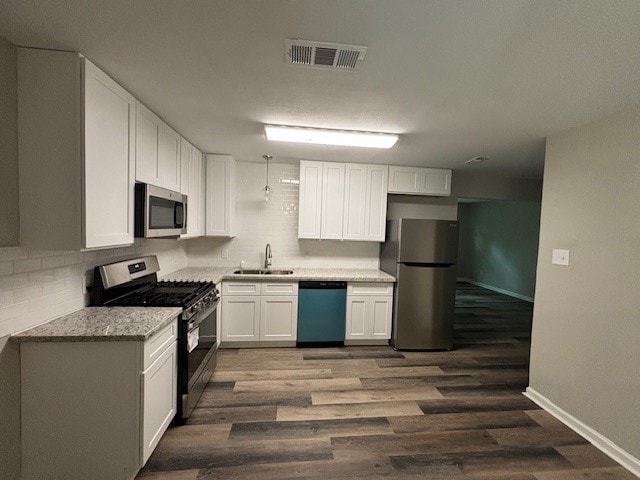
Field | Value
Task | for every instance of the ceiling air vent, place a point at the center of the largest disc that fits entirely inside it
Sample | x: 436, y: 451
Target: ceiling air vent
x: 324, y: 55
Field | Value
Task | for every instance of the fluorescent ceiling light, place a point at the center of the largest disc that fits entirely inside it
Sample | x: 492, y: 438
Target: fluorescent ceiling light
x: 321, y: 136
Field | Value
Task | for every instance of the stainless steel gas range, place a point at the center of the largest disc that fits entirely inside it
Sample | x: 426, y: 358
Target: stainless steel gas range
x: 135, y: 283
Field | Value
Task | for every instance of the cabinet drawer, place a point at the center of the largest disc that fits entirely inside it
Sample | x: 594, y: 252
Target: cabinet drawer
x: 370, y: 289
x: 279, y: 288
x: 156, y: 345
x: 241, y: 288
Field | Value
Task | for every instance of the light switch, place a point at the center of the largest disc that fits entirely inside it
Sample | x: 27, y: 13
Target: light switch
x: 560, y: 257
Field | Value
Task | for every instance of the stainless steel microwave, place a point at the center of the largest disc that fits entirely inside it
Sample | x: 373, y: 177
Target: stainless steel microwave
x: 159, y: 212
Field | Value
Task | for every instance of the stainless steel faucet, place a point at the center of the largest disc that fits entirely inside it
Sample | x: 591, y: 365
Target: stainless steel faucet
x: 267, y: 256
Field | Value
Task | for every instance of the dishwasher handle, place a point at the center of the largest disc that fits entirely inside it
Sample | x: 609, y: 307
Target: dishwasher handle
x: 323, y: 285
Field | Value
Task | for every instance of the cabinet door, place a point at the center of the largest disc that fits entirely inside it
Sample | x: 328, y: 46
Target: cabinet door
x: 109, y: 126
x: 376, y: 203
x: 356, y: 321
x: 196, y: 192
x: 355, y: 193
x: 159, y: 386
x: 278, y: 318
x: 169, y: 158
x: 191, y: 186
x: 380, y: 317
x: 437, y: 181
x: 148, y: 126
x: 310, y: 203
x: 406, y: 179
x: 220, y: 195
x: 186, y: 151
x: 332, y: 201
x: 240, y: 318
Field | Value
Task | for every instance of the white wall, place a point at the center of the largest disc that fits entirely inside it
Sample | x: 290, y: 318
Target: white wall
x: 9, y: 223
x: 276, y: 222
x: 585, y: 352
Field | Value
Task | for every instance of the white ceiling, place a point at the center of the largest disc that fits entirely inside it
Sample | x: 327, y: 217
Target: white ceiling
x: 455, y: 78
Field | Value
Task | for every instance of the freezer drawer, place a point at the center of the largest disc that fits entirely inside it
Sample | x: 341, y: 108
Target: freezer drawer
x: 424, y: 308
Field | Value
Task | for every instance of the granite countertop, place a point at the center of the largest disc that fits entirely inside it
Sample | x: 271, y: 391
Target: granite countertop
x: 218, y: 274
x: 95, y: 324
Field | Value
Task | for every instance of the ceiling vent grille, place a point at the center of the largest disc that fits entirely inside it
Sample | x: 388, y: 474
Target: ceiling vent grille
x: 323, y: 55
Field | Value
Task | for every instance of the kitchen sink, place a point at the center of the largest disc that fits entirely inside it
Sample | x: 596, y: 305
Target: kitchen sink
x: 263, y: 272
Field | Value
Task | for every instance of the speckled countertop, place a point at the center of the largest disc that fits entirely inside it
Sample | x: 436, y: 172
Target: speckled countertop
x: 95, y: 324
x: 218, y: 274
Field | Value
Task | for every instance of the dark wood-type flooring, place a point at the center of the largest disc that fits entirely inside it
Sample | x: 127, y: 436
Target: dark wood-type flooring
x: 374, y: 413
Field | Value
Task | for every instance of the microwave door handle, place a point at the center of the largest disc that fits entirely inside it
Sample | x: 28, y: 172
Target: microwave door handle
x: 179, y: 213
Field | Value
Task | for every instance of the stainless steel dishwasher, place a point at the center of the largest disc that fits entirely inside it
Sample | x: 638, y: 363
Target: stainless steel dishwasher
x: 322, y: 308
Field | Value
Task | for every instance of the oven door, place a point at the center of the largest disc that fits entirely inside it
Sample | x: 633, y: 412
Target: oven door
x: 159, y: 212
x: 198, y: 356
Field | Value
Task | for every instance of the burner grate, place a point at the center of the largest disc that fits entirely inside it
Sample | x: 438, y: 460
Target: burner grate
x: 167, y: 293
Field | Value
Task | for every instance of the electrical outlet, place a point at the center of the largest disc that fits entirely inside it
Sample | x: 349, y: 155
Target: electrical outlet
x: 560, y: 257
x: 224, y: 254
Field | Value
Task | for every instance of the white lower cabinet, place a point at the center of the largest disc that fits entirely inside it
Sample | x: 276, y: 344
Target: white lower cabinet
x: 259, y: 311
x: 278, y: 318
x: 369, y: 312
x: 96, y: 409
x: 159, y: 400
x: 240, y: 318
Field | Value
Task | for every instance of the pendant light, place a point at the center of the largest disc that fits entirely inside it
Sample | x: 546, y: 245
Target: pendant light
x: 267, y: 189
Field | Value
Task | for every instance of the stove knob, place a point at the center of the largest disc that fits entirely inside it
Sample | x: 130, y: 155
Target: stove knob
x: 195, y: 309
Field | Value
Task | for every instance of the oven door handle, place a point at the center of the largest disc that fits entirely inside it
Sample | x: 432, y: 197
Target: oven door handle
x: 202, y: 314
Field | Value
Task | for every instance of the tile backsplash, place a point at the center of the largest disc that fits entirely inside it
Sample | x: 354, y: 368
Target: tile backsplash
x: 275, y: 222
x: 36, y: 285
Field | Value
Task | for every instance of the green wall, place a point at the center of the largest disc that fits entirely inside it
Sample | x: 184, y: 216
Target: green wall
x: 499, y: 244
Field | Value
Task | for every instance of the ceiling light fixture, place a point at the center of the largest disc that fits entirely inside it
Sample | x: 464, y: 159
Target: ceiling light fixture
x: 267, y: 189
x: 322, y: 136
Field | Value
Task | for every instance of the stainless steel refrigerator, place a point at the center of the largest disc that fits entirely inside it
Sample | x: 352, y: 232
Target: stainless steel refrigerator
x: 422, y: 255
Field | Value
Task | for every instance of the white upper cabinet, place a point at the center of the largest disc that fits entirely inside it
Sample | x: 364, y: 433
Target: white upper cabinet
x: 321, y: 204
x: 419, y: 181
x: 310, y: 204
x: 157, y: 150
x: 437, y: 181
x: 169, y: 158
x: 365, y: 202
x: 376, y: 203
x: 148, y: 126
x: 186, y: 150
x: 342, y: 201
x: 76, y: 157
x: 355, y: 194
x: 332, y: 201
x: 320, y: 210
x: 220, y: 195
x: 192, y: 185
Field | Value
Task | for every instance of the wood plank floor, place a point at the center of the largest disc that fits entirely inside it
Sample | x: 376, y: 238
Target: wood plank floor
x: 374, y: 413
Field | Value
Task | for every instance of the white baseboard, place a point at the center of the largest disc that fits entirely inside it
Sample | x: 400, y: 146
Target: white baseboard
x: 496, y: 289
x: 598, y: 440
